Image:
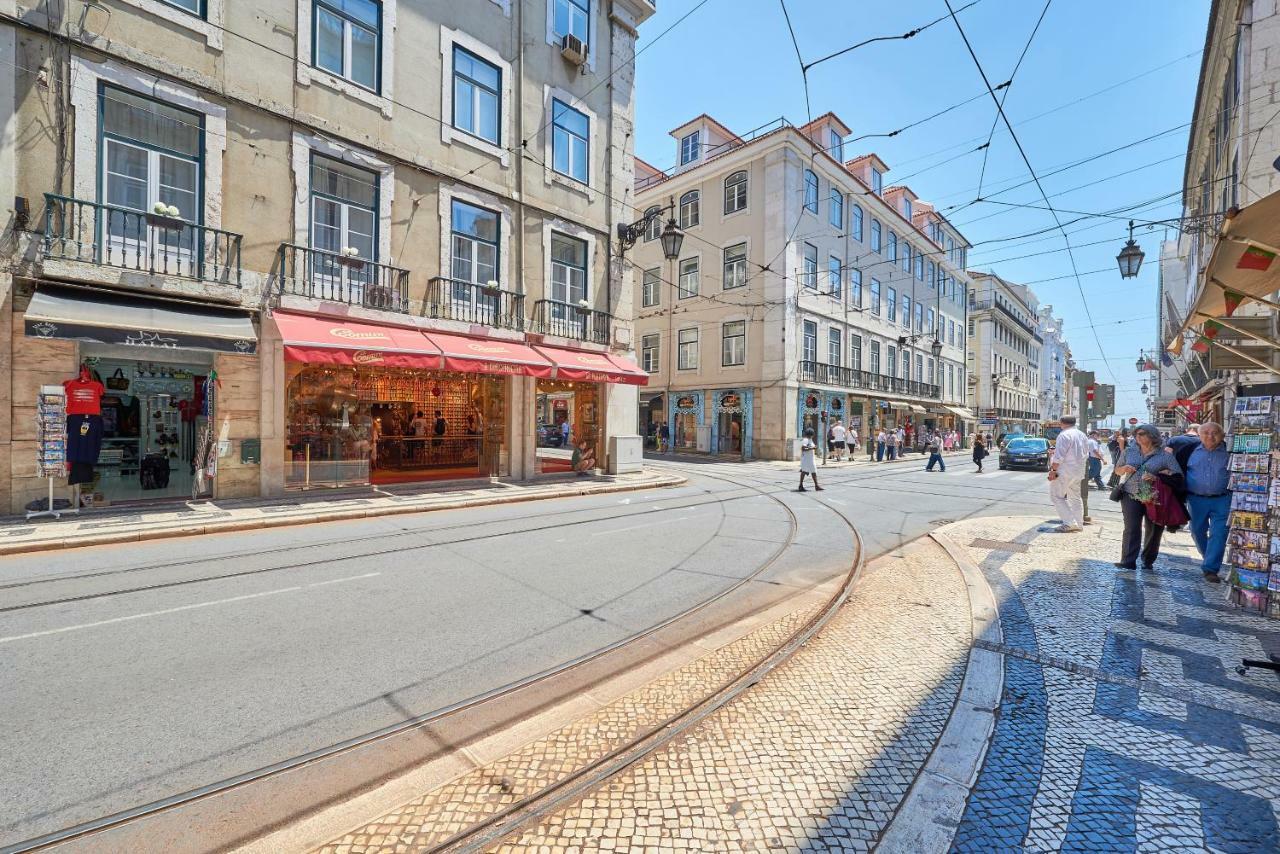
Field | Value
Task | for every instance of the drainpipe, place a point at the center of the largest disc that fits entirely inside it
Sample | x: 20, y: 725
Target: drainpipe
x: 528, y: 385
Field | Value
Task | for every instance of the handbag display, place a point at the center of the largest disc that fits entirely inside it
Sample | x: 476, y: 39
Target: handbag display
x: 118, y: 381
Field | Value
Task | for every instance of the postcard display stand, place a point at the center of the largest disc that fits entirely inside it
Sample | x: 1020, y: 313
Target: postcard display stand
x: 51, y: 448
x: 1255, y: 505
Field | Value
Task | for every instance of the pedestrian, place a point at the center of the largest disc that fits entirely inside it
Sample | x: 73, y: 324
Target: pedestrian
x: 891, y: 445
x: 1066, y: 471
x: 1144, y: 459
x: 837, y: 440
x: 1094, y: 472
x: 807, y: 463
x: 1116, y: 447
x: 979, y: 452
x: 664, y: 438
x: 935, y: 453
x: 881, y: 443
x: 1208, y: 496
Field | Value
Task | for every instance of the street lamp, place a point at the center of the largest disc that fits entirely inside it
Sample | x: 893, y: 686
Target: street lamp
x: 1130, y: 257
x: 936, y: 348
x: 629, y: 233
x: 672, y: 238
x: 1145, y: 388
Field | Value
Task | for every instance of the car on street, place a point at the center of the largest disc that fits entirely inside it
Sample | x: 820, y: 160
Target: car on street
x: 1025, y: 452
x: 549, y: 436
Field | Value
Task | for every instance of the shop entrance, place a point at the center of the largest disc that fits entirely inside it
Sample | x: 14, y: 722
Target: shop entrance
x: 569, y: 427
x: 729, y: 431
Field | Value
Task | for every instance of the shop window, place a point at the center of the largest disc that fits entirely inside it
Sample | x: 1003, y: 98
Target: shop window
x: 735, y: 266
x: 477, y: 94
x: 687, y: 350
x: 734, y: 343
x: 347, y: 39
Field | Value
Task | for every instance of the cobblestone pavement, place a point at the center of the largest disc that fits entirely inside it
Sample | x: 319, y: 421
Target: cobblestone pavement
x: 1123, y: 725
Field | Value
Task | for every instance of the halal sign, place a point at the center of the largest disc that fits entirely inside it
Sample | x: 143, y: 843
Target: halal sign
x: 730, y: 400
x: 686, y: 402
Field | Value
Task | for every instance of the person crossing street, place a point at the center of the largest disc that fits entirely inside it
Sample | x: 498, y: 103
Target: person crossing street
x: 934, y: 446
x: 1066, y: 472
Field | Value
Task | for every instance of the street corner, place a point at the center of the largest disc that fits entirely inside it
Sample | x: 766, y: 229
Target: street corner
x: 1123, y: 721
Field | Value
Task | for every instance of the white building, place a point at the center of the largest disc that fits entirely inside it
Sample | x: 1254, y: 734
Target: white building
x: 1004, y: 355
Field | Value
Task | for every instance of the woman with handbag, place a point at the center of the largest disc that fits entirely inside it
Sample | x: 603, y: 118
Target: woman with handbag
x: 979, y: 452
x: 1143, y: 461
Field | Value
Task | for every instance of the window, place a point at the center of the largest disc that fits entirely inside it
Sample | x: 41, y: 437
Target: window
x: 906, y: 365
x: 891, y: 361
x: 893, y: 305
x: 875, y: 235
x: 906, y: 207
x: 855, y: 288
x: 344, y: 214
x: 570, y: 141
x: 919, y: 266
x: 836, y: 148
x: 875, y: 295
x: 690, y: 212
x: 650, y: 350
x: 855, y: 352
x: 835, y: 348
x: 810, y: 342
x: 572, y: 17
x: 932, y: 327
x: 735, y: 266
x: 477, y: 87
x: 809, y: 273
x: 836, y: 209
x: 195, y: 7
x: 733, y: 343
x: 971, y: 326
x: 906, y: 256
x: 691, y: 147
x: 875, y: 357
x: 834, y: 276
x: 687, y: 349
x: 810, y: 191
x: 951, y: 332
x: 475, y: 244
x: 650, y: 289
x: 919, y: 368
x: 919, y: 318
x: 735, y: 192
x: 345, y: 40
x: 653, y: 216
x: 568, y: 269
x: 906, y: 310
x: 951, y: 380
x: 689, y: 278
x: 933, y: 274
x: 893, y: 247
x: 930, y: 364
x: 877, y: 181
x: 855, y: 223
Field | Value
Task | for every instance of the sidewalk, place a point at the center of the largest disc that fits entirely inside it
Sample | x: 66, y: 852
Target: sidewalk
x: 132, y: 524
x: 992, y: 688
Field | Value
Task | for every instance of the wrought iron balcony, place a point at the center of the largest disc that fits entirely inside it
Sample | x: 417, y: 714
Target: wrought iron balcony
x: 551, y: 317
x: 835, y: 375
x: 452, y: 299
x: 320, y: 274
x: 96, y: 233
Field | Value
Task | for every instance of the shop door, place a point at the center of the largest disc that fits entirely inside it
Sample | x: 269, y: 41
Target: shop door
x: 686, y: 434
x: 729, y: 431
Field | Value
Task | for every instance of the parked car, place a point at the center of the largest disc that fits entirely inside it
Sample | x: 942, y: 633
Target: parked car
x: 549, y: 436
x: 1025, y: 452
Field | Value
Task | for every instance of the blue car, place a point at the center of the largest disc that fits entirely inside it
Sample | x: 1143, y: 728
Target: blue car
x: 1025, y: 452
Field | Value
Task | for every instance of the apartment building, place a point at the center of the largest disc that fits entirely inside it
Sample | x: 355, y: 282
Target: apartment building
x: 1057, y: 397
x: 1004, y: 355
x: 806, y: 289
x: 385, y: 227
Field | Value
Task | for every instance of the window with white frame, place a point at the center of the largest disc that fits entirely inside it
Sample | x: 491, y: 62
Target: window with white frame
x: 932, y: 323
x: 875, y: 357
x: 475, y: 244
x: 687, y: 349
x: 906, y: 365
x: 892, y: 254
x: 650, y: 353
x: 689, y: 278
x: 733, y: 343
x: 836, y: 208
x: 195, y: 7
x: 919, y: 317
x: 690, y: 209
x: 906, y: 256
x: 891, y: 361
x: 572, y: 17
x: 568, y: 269
x: 855, y: 351
x: 875, y: 235
x: 951, y: 332
x: 836, y: 148
x: 919, y: 368
x: 835, y: 275
x: 735, y: 266
x: 877, y: 181
x: 650, y: 288
x: 570, y: 141
x: 933, y: 274
x: 892, y: 300
x: 477, y: 94
x: 855, y: 223
x: 810, y: 191
x: 919, y: 266
x: 344, y: 208
x: 835, y: 347
x: 809, y: 272
x: 346, y: 39
x: 735, y: 192
x: 653, y: 220
x: 810, y: 342
x: 875, y: 295
x: 855, y: 288
x: 690, y: 147
x: 906, y: 207
x: 906, y: 310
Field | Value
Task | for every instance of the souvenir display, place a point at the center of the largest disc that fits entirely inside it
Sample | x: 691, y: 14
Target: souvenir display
x: 1254, y: 539
x: 51, y: 451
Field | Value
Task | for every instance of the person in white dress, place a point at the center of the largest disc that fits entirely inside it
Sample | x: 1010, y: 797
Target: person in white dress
x: 808, y: 466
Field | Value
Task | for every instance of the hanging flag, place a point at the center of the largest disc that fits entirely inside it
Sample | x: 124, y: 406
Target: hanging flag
x: 1201, y: 345
x: 1254, y: 258
x: 1232, y: 300
x: 1166, y: 359
x: 1211, y: 329
x: 1148, y: 365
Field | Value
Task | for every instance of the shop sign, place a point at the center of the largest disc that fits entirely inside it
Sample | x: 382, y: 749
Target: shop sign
x: 811, y: 401
x: 837, y: 404
x: 352, y: 335
x: 686, y: 402
x: 730, y: 400
x: 366, y: 357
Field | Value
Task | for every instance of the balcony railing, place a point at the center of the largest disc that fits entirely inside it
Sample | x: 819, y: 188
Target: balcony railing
x: 452, y: 299
x: 835, y: 375
x: 96, y: 233
x: 319, y: 274
x: 551, y: 317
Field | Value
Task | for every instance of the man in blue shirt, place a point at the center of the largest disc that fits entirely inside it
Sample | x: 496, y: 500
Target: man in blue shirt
x: 1208, y: 498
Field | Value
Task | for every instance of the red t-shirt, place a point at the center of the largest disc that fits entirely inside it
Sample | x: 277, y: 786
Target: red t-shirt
x: 84, y: 397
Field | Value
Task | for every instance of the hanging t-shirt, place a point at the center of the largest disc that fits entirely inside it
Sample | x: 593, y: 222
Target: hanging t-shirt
x: 84, y: 397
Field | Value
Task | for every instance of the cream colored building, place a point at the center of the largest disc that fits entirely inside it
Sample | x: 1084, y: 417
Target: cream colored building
x: 408, y: 206
x: 805, y: 287
x: 1004, y: 355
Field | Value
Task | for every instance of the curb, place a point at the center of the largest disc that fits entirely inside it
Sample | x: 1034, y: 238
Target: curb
x: 928, y: 816
x: 187, y: 529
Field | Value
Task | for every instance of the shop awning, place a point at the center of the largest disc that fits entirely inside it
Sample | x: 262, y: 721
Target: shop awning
x: 489, y: 356
x: 347, y: 342
x: 962, y: 414
x: 109, y: 317
x: 915, y: 407
x: 579, y: 366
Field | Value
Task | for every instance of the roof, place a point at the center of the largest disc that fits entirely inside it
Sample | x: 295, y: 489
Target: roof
x: 901, y: 188
x: 884, y: 167
x: 828, y: 116
x: 704, y: 117
x: 640, y: 161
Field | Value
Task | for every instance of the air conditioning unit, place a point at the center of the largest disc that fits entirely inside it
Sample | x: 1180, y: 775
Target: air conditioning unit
x: 572, y: 49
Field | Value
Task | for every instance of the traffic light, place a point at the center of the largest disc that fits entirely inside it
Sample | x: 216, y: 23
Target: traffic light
x: 1104, y: 401
x: 1089, y: 392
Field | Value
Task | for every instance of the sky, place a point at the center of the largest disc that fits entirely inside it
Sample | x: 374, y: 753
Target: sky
x: 734, y: 60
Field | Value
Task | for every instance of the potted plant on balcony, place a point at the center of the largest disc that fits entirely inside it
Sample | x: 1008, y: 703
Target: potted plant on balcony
x: 350, y: 257
x: 165, y: 216
x: 584, y: 306
x: 490, y: 288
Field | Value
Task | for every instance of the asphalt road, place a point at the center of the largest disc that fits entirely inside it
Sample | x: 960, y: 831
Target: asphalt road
x: 136, y: 672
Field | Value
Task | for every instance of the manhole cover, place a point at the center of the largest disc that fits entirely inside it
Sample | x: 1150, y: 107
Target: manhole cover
x: 941, y: 521
x: 999, y: 545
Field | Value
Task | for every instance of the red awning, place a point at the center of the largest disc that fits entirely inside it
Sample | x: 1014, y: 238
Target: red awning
x: 490, y: 356
x: 347, y: 342
x: 580, y: 366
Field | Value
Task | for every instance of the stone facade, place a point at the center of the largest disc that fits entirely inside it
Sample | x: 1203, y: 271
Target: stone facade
x: 1005, y: 347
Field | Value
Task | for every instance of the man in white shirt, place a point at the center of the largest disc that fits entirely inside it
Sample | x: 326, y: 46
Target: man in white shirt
x: 1066, y: 473
x: 838, y: 434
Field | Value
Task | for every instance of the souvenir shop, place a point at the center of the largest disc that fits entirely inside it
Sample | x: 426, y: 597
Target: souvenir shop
x: 1254, y: 537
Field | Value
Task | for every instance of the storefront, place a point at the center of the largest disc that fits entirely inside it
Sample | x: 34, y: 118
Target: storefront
x: 652, y: 415
x: 731, y: 425
x: 687, y: 425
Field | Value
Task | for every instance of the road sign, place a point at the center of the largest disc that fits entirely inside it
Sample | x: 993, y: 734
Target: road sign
x: 1133, y: 422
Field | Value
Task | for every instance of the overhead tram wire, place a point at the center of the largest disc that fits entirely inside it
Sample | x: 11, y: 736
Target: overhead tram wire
x: 907, y: 35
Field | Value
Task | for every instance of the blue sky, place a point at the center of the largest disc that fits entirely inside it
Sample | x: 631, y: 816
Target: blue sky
x: 734, y: 60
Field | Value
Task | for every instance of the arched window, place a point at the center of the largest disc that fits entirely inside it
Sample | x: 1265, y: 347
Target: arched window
x: 690, y: 213
x: 893, y: 246
x: 735, y: 192
x: 810, y: 191
x: 855, y: 223
x: 654, y: 216
x: 875, y: 235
